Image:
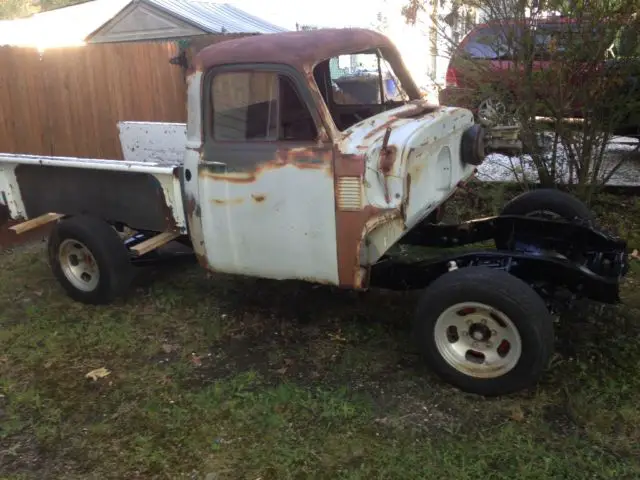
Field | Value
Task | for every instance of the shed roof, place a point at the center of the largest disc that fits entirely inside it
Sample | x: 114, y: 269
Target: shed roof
x: 191, y: 16
x: 138, y: 19
x: 216, y: 17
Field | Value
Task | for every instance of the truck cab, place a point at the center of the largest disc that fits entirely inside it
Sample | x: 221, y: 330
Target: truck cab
x: 309, y: 154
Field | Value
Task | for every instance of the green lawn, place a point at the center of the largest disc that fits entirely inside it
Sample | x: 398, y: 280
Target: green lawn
x: 229, y: 378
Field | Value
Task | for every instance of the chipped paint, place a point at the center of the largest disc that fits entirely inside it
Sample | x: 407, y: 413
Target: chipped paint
x: 158, y: 142
x: 169, y: 199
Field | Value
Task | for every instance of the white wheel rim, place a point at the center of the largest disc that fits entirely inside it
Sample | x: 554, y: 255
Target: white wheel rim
x: 477, y: 340
x: 78, y: 265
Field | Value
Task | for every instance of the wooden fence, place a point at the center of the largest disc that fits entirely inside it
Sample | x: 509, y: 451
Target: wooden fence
x: 68, y: 101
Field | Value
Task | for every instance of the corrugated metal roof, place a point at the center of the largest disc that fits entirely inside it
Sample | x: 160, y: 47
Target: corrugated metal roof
x: 71, y: 25
x: 215, y: 17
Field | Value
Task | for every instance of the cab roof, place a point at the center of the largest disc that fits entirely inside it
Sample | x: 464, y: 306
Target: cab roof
x: 303, y: 50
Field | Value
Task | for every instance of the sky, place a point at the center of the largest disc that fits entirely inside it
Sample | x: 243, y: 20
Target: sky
x: 325, y: 13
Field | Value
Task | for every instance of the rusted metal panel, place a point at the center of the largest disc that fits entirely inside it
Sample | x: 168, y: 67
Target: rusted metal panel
x: 324, y: 219
x: 136, y: 199
x: 279, y: 225
x: 408, y: 162
x: 303, y: 50
x: 141, y: 195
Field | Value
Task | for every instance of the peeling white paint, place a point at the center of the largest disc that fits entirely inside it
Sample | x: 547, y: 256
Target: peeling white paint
x: 165, y: 174
x: 155, y: 142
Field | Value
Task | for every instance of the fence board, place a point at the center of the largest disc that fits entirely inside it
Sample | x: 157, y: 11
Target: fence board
x: 68, y: 101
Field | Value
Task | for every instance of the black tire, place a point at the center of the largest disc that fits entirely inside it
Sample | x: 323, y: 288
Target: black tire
x: 110, y: 254
x: 551, y: 200
x: 472, y: 149
x: 505, y: 293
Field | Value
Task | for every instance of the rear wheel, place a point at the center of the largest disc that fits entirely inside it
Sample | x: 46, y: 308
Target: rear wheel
x: 548, y: 203
x: 484, y: 331
x: 89, y: 260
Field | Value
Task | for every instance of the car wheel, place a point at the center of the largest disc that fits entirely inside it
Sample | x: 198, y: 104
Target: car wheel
x: 484, y: 331
x: 89, y: 260
x: 493, y: 111
x: 548, y: 203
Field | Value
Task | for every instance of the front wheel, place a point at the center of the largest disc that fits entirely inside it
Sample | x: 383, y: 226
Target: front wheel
x: 484, y: 331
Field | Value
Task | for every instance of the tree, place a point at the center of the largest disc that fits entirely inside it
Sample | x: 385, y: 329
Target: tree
x: 542, y: 77
x: 23, y: 8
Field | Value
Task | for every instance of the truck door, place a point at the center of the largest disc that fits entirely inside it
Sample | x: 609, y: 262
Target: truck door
x: 265, y: 179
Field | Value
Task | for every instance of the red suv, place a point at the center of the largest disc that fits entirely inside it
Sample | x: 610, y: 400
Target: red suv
x: 482, y: 74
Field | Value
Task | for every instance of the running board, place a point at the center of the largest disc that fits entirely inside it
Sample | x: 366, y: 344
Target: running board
x: 154, y: 243
x: 35, y: 223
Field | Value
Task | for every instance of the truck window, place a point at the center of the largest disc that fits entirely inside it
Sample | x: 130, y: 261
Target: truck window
x: 355, y: 80
x: 259, y: 106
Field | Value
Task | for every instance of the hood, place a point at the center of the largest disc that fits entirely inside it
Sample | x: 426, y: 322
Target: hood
x: 411, y: 154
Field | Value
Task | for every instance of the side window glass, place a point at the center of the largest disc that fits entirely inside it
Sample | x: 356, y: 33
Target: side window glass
x: 488, y: 44
x: 245, y: 106
x: 296, y: 122
x: 259, y: 106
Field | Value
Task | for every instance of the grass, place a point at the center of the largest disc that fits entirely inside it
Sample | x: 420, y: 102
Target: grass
x: 219, y: 377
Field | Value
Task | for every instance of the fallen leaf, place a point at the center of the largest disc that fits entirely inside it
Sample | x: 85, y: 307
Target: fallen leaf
x: 37, y: 293
x: 337, y: 337
x: 517, y: 414
x: 282, y: 370
x: 98, y: 373
x: 196, y: 360
x: 48, y: 364
x: 635, y: 254
x: 167, y: 348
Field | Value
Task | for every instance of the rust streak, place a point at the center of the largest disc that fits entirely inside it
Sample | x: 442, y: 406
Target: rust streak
x: 380, y: 128
x: 229, y: 201
x: 258, y: 198
x: 303, y: 159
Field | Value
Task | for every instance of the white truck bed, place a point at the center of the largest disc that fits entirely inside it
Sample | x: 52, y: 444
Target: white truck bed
x: 145, y: 195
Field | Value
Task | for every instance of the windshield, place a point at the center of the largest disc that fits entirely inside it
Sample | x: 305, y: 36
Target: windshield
x: 364, y: 79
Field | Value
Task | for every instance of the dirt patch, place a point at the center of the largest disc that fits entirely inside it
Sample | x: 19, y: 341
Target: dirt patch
x: 20, y: 453
x: 9, y: 240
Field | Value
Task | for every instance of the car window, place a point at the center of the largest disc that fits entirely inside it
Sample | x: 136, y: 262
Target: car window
x: 489, y: 43
x: 554, y: 40
x: 259, y: 106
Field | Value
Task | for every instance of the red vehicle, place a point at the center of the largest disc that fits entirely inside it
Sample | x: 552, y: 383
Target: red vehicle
x: 483, y: 76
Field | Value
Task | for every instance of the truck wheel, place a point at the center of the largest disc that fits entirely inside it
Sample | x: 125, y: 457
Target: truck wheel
x: 550, y: 203
x: 89, y: 260
x: 484, y: 331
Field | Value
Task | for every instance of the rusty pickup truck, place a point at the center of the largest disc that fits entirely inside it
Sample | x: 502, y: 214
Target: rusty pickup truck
x: 288, y: 174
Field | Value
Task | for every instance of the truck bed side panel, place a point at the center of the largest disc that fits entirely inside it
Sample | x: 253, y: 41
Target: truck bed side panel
x: 134, y: 198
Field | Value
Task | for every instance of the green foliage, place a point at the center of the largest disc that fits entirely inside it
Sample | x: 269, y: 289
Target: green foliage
x: 544, y: 77
x: 228, y: 378
x: 10, y: 9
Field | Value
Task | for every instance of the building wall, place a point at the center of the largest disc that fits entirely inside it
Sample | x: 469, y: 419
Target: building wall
x: 67, y: 102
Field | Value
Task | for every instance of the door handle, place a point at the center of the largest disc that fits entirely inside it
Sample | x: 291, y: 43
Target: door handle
x: 214, y: 167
